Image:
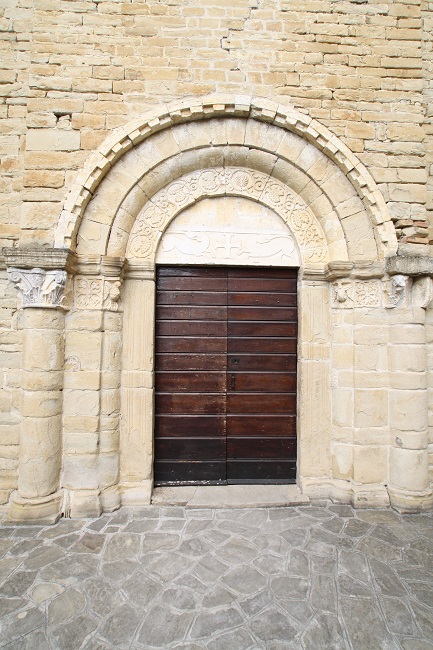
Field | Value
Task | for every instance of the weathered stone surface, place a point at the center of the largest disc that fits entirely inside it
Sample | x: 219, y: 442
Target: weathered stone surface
x: 282, y: 597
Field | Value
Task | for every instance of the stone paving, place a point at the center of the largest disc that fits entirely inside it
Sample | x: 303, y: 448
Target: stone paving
x: 305, y: 577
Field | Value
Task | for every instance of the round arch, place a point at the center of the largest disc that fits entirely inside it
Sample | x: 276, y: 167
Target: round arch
x: 139, y: 159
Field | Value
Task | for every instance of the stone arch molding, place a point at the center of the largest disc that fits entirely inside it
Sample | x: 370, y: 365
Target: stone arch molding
x: 179, y: 195
x: 218, y: 137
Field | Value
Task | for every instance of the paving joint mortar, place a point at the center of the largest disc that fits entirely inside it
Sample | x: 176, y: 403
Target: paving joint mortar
x: 300, y: 577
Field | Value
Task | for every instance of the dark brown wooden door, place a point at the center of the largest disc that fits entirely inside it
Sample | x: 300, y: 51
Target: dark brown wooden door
x: 225, y: 375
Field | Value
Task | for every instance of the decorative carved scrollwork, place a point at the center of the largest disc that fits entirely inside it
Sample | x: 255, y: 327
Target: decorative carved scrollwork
x: 167, y: 203
x: 39, y: 288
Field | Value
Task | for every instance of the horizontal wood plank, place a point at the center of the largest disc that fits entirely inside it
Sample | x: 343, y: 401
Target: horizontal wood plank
x: 261, y: 425
x: 271, y: 362
x: 262, y: 313
x: 200, y: 382
x: 190, y: 328
x: 271, y: 329
x: 259, y: 448
x: 266, y: 345
x: 187, y: 426
x: 272, y: 382
x: 262, y: 299
x: 184, y: 403
x: 257, y: 403
x: 190, y: 448
x: 190, y: 344
x: 172, y: 312
x: 189, y: 361
x: 204, y: 297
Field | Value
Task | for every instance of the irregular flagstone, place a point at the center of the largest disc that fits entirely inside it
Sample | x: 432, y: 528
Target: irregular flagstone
x: 324, y: 632
x: 179, y: 597
x: 348, y: 586
x: 290, y: 588
x: 70, y: 569
x: 36, y: 640
x: 298, y: 563
x: 122, y: 545
x: 236, y: 551
x: 398, y: 616
x: 71, y: 636
x: 354, y: 564
x: 378, y: 550
x: 162, y: 626
x: 264, y: 579
x: 210, y: 568
x: 364, y: 624
x: 13, y: 626
x: 24, y: 547
x: 245, y: 580
x: 255, y: 604
x: 140, y: 589
x: 18, y: 583
x: 89, y: 543
x: 66, y: 605
x: 217, y: 597
x: 118, y: 571
x: 45, y: 591
x: 160, y: 541
x: 103, y: 599
x: 42, y: 556
x: 323, y: 594
x: 386, y: 579
x: 233, y: 640
x: 272, y: 625
x: 216, y: 621
x: 8, y: 605
x: 7, y: 565
x: 121, y: 626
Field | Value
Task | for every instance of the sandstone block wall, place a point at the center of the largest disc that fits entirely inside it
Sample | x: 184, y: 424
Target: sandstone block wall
x: 71, y: 72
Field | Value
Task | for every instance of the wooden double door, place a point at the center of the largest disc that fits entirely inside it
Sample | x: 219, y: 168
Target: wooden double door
x: 226, y: 342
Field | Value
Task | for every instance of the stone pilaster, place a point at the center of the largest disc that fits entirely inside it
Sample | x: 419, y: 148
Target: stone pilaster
x: 92, y: 389
x: 137, y: 387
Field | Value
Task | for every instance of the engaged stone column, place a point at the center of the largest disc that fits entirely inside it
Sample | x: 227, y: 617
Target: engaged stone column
x: 42, y: 293
x: 409, y: 486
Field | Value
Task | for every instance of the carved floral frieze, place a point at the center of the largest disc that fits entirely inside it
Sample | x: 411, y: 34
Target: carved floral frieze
x: 40, y: 287
x: 97, y: 293
x: 397, y: 291
x: 170, y: 201
x: 348, y: 294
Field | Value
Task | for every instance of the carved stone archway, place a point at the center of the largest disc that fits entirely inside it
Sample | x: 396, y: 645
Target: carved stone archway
x: 137, y: 183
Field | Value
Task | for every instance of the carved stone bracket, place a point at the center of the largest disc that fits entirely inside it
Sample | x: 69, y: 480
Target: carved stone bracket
x: 40, y: 288
x: 396, y: 291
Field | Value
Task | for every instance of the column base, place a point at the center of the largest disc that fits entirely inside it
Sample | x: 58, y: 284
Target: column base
x: 405, y: 501
x: 346, y: 492
x: 42, y: 510
x: 137, y: 494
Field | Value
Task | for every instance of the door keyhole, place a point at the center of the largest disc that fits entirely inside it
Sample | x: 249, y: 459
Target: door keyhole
x: 233, y: 382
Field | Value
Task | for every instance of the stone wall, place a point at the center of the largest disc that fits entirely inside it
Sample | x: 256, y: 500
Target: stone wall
x: 72, y: 72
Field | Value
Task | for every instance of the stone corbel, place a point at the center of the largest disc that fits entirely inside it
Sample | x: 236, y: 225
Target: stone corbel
x: 40, y: 288
x: 396, y: 291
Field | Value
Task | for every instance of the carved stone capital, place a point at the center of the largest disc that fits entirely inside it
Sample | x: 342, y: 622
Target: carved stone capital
x: 39, y: 288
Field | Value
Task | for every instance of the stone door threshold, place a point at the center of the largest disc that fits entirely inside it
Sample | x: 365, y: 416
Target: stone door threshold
x: 229, y: 496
